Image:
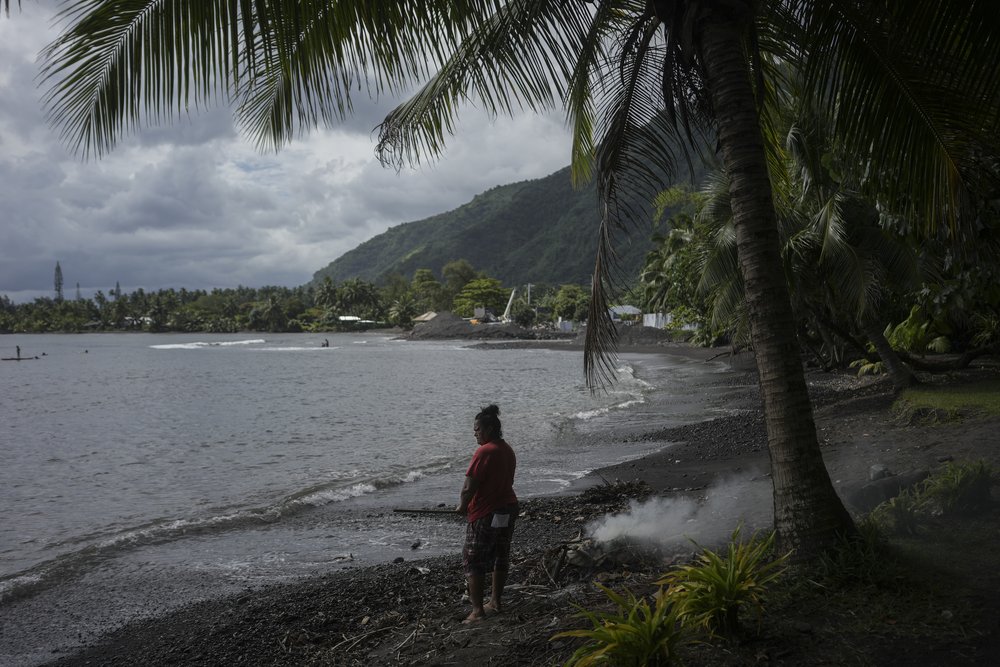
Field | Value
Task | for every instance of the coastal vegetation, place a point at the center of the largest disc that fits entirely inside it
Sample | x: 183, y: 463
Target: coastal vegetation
x: 699, y: 602
x: 867, y: 292
x: 881, y: 583
x: 644, y: 84
x: 327, y: 306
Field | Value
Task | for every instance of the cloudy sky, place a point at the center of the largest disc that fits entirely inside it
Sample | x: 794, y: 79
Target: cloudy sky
x: 195, y: 205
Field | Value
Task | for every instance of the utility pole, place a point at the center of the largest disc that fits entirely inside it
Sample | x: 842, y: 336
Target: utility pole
x: 529, y: 294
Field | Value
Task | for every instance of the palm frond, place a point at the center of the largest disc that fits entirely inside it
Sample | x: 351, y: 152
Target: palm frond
x: 122, y: 64
x: 517, y: 57
x: 640, y: 149
x: 720, y: 277
x: 912, y: 89
x: 588, y: 72
x: 830, y: 227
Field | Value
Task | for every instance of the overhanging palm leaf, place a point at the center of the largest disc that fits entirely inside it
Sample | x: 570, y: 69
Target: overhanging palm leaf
x: 517, y: 57
x: 903, y: 90
x: 290, y: 64
x: 629, y: 109
x: 580, y: 98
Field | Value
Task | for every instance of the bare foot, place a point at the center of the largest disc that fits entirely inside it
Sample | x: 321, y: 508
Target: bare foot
x: 492, y: 608
x: 474, y: 617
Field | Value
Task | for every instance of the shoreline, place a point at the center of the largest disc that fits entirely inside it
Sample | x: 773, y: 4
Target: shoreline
x: 536, y: 531
x: 408, y: 612
x: 546, y: 520
x: 90, y: 604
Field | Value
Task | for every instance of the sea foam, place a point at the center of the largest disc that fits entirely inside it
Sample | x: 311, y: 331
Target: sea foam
x: 197, y: 345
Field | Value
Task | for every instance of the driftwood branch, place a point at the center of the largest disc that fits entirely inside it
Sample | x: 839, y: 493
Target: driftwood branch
x: 358, y: 638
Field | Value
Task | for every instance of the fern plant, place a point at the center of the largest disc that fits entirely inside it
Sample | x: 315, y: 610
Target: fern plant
x: 711, y: 592
x: 866, y: 367
x: 635, y: 634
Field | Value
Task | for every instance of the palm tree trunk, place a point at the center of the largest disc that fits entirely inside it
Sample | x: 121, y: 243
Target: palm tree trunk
x: 809, y: 516
x: 902, y: 377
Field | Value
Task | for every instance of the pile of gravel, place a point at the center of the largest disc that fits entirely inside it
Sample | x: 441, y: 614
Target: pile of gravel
x: 448, y: 325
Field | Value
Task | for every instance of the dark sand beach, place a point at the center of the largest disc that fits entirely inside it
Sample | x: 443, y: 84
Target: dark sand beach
x: 410, y: 612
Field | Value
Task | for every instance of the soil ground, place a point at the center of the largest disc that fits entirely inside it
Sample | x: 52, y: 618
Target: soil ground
x: 928, y: 599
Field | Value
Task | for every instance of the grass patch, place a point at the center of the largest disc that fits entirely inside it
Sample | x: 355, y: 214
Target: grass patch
x: 941, y: 403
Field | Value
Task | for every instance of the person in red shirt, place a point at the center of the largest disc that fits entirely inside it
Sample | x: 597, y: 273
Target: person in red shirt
x: 490, y: 505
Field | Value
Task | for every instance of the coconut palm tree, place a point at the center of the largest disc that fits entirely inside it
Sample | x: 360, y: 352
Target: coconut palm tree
x: 858, y: 262
x: 910, y: 87
x: 843, y: 266
x: 326, y: 293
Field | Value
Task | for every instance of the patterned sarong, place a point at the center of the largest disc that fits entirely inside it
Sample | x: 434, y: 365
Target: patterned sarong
x: 487, y: 542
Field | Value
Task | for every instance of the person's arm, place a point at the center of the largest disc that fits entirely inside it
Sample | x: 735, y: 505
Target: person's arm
x: 468, y: 490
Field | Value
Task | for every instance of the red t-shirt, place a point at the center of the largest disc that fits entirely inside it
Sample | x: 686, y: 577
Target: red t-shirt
x: 493, y: 467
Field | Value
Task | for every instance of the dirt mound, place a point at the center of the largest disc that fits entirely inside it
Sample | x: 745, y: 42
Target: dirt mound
x: 637, y: 335
x: 449, y: 325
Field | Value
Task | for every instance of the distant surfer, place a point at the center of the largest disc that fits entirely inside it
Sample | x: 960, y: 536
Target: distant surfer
x: 326, y: 342
x: 490, y: 505
x: 18, y: 352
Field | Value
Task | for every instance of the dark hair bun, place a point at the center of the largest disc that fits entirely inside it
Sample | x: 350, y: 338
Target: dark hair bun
x: 491, y: 409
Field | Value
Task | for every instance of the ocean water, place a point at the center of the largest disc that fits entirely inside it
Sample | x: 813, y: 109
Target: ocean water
x: 141, y: 471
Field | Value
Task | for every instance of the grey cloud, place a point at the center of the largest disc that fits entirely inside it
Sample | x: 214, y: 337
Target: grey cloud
x: 194, y: 205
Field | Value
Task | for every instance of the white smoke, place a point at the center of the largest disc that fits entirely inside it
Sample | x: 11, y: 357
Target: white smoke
x: 708, y: 521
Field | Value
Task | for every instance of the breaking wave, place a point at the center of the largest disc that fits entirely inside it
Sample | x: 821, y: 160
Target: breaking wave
x: 197, y: 345
x: 629, y: 390
x: 67, y: 565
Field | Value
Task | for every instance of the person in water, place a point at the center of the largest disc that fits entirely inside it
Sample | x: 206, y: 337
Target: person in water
x: 490, y: 506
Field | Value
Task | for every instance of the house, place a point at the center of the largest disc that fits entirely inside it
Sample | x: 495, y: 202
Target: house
x: 624, y: 314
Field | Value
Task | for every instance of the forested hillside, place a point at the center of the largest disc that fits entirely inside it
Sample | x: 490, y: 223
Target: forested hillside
x: 541, y: 231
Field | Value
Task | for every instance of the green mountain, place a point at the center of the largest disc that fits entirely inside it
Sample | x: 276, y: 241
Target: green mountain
x: 539, y: 231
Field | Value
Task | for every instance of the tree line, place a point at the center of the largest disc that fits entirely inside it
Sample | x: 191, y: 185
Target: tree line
x: 867, y: 288
x: 315, y: 307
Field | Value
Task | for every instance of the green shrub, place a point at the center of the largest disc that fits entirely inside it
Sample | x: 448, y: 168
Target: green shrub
x: 860, y: 558
x: 959, y: 487
x: 900, y: 514
x: 711, y: 592
x: 956, y: 488
x: 866, y: 367
x: 635, y: 634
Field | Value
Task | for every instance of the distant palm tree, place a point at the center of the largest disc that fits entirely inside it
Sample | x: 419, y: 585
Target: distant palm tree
x: 911, y: 89
x: 326, y: 294
x: 403, y: 310
x: 351, y: 296
x: 664, y: 262
x: 272, y: 314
